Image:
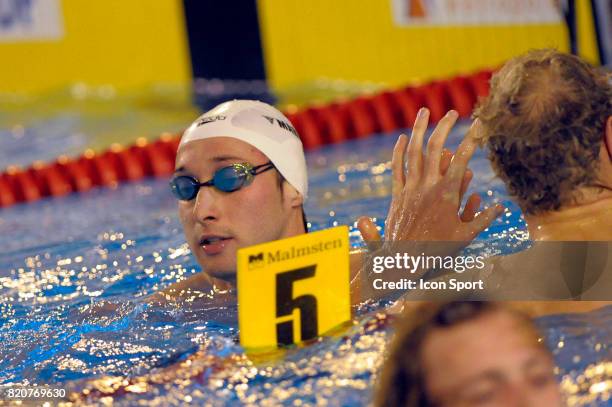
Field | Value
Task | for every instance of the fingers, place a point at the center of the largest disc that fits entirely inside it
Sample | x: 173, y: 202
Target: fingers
x: 445, y: 161
x: 471, y: 208
x: 467, y: 177
x: 436, y: 144
x: 397, y: 165
x: 484, y: 219
x: 458, y: 165
x: 368, y: 229
x: 465, y: 183
x: 415, y: 148
x: 369, y: 232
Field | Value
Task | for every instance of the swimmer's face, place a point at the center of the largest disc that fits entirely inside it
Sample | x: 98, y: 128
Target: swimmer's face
x: 216, y: 223
x: 494, y: 360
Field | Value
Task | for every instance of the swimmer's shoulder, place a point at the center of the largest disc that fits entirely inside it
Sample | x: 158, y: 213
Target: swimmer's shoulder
x: 183, y: 290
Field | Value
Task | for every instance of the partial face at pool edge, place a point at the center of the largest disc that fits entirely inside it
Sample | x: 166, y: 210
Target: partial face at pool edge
x: 216, y: 224
x: 494, y: 360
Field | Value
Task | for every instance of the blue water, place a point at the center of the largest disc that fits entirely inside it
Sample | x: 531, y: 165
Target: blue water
x: 68, y: 120
x: 74, y: 271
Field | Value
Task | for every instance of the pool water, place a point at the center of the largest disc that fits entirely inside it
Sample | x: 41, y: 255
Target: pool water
x: 68, y: 120
x: 74, y: 272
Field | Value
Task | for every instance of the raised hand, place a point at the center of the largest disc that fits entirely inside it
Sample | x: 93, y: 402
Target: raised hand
x: 426, y: 200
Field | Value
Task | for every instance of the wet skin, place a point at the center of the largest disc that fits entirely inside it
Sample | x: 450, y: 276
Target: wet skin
x: 501, y: 363
x: 589, y: 217
x: 217, y: 223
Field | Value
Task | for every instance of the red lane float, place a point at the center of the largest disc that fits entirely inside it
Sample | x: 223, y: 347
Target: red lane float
x: 462, y: 96
x: 312, y: 132
x: 409, y: 103
x: 336, y: 122
x: 129, y: 166
x: 160, y: 158
x: 55, y: 181
x: 363, y: 117
x: 103, y: 170
x: 436, y: 99
x: 7, y: 194
x: 76, y: 173
x: 387, y: 112
x: 25, y: 186
x: 480, y: 82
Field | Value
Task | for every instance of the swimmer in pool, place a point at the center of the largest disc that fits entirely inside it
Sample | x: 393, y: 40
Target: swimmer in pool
x: 241, y: 179
x: 547, y: 125
x: 467, y: 354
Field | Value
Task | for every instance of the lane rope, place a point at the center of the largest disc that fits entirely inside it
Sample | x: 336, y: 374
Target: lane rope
x: 335, y: 122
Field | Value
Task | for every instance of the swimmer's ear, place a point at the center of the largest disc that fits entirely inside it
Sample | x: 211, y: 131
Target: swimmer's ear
x: 608, y: 136
x: 291, y: 195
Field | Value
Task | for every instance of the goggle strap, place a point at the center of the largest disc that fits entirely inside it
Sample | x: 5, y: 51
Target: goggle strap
x: 260, y: 168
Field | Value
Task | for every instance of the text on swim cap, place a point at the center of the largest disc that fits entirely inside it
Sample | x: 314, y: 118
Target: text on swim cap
x: 209, y: 119
x: 283, y: 125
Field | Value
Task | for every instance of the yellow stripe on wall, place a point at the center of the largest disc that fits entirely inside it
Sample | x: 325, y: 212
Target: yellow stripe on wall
x: 122, y: 43
x: 585, y: 30
x: 357, y: 40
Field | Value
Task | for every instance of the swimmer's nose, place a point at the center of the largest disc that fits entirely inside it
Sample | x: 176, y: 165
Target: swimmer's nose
x: 207, y: 205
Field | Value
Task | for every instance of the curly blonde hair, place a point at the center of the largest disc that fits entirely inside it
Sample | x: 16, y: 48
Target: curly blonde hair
x: 543, y: 124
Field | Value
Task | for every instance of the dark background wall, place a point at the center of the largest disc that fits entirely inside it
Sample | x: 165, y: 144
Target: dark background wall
x: 224, y: 39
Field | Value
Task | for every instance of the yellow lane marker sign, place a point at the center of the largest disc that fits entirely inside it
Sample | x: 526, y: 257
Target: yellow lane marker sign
x: 294, y: 289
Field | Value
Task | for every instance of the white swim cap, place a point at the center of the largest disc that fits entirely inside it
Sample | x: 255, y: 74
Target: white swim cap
x: 261, y: 126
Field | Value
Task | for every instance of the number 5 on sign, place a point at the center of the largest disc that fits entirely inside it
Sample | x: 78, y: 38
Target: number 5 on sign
x: 294, y: 289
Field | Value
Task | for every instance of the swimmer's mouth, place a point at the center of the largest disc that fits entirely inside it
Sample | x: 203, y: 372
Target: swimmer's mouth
x: 208, y: 240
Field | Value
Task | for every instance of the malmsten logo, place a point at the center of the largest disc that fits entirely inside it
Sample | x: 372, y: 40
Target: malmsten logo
x: 294, y: 252
x: 256, y: 260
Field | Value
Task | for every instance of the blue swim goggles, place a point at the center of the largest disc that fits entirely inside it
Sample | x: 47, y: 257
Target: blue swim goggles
x: 226, y: 179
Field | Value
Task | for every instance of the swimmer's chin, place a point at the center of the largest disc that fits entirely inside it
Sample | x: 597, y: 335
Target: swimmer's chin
x: 225, y: 276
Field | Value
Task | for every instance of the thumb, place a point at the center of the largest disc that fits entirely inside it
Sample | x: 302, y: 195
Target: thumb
x: 484, y: 219
x: 369, y: 232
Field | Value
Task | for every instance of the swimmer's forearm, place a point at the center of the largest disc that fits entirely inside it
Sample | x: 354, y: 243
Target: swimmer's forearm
x: 356, y: 262
x: 361, y: 290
